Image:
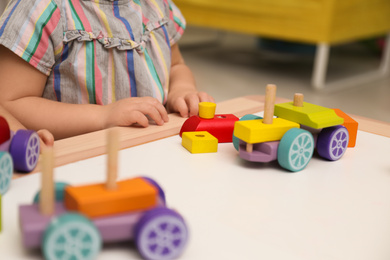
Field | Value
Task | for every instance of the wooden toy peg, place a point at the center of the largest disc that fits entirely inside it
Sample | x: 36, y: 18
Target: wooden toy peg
x: 207, y: 110
x: 47, y: 198
x: 249, y: 147
x: 112, y: 158
x: 270, y: 95
x: 298, y: 100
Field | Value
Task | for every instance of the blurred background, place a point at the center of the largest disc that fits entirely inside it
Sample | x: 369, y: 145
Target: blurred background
x: 236, y: 48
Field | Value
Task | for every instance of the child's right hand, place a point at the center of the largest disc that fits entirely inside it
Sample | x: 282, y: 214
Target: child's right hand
x: 129, y: 111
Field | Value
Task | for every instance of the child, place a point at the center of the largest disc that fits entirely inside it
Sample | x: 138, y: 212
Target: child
x: 76, y: 66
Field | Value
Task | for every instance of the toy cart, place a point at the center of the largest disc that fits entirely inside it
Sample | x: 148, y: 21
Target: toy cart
x: 18, y: 151
x: 83, y: 217
x: 291, y: 138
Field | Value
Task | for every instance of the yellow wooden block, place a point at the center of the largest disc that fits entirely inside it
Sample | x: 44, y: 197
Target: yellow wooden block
x: 95, y: 200
x: 310, y: 115
x: 200, y: 142
x: 255, y: 131
x: 207, y: 110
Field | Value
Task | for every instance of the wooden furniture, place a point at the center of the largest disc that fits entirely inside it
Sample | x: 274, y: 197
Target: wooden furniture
x: 320, y: 22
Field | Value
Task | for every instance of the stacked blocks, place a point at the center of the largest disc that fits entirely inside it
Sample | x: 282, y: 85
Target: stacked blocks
x: 199, y: 142
x: 95, y: 200
x: 221, y: 126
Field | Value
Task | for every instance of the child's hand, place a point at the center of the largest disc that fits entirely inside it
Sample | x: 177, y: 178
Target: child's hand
x: 47, y: 139
x: 135, y: 110
x: 186, y: 102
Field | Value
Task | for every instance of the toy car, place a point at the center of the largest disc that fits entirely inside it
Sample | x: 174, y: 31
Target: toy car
x: 292, y: 136
x: 18, y: 151
x: 83, y: 217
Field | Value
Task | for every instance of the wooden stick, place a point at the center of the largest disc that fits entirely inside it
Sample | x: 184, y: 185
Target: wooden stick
x: 46, y: 201
x: 298, y: 100
x: 112, y: 158
x: 269, y: 106
x: 249, y: 147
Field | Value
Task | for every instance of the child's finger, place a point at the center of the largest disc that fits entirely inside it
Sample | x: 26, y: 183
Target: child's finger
x: 192, y: 102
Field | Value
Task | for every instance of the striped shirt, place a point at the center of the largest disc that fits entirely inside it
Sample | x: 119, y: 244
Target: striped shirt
x: 95, y: 51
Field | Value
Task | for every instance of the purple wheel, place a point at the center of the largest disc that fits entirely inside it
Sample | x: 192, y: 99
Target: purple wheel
x: 333, y: 142
x: 161, y: 234
x: 24, y: 150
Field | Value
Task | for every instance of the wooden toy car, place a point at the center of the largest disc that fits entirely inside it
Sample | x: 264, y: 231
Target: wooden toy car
x: 292, y: 136
x: 18, y: 151
x: 83, y: 217
x: 220, y: 126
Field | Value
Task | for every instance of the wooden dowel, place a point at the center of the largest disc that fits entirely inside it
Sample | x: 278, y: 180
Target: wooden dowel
x: 298, y: 100
x: 47, y: 198
x: 269, y: 106
x: 112, y: 158
x: 249, y: 147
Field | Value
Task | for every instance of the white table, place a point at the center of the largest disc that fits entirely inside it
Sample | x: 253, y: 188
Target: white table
x: 240, y: 210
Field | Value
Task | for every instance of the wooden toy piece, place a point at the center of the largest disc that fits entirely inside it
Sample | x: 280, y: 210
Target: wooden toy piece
x: 270, y: 95
x: 96, y: 200
x: 351, y: 125
x: 199, y: 142
x: 221, y: 126
x: 298, y: 100
x: 112, y: 158
x: 207, y: 110
x: 310, y: 115
x: 46, y: 201
x: 5, y: 133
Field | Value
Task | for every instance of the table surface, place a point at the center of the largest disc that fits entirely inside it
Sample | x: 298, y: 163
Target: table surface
x: 241, y: 210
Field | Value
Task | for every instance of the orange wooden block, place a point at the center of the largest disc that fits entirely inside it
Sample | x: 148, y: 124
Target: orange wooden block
x: 96, y: 200
x: 350, y: 124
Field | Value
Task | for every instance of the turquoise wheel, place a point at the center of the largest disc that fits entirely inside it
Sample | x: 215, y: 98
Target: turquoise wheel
x: 59, y: 189
x: 235, y: 140
x: 6, y: 170
x: 295, y: 149
x: 71, y: 236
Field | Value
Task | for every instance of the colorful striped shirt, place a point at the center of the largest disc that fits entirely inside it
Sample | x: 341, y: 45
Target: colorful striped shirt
x: 95, y: 51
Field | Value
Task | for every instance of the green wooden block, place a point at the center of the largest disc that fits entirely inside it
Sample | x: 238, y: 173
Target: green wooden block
x: 310, y: 115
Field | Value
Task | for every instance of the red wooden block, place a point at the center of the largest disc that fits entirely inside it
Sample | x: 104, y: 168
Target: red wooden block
x: 221, y: 126
x: 5, y: 133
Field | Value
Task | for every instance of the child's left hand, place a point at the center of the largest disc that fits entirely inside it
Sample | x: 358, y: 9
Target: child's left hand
x: 185, y: 102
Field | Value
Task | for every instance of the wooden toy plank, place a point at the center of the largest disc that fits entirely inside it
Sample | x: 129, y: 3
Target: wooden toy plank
x: 96, y: 200
x: 255, y: 131
x: 310, y: 115
x: 0, y: 215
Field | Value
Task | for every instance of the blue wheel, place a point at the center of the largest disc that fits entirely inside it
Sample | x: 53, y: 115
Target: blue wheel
x: 59, y: 188
x: 161, y: 234
x: 236, y: 141
x: 6, y: 171
x: 295, y: 149
x: 24, y: 149
x: 71, y: 236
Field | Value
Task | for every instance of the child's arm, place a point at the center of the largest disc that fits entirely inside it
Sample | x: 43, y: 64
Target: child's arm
x: 21, y: 88
x: 183, y: 96
x: 46, y: 137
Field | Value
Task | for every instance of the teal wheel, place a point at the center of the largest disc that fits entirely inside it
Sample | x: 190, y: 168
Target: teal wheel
x: 59, y: 189
x: 295, y: 149
x: 71, y: 236
x: 6, y: 170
